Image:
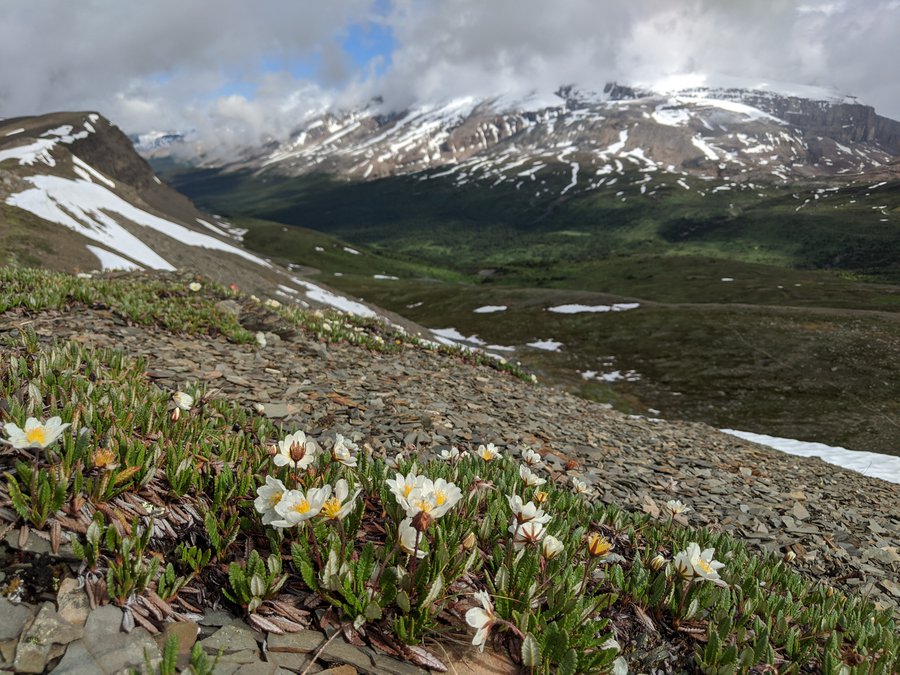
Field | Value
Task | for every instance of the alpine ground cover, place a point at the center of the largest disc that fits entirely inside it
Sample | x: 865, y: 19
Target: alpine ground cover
x: 177, y: 499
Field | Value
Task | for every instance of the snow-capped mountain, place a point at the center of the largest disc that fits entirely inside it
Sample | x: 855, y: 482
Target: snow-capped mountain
x: 74, y: 195
x: 738, y: 132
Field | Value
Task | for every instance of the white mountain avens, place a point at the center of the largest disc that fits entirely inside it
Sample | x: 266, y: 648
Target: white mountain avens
x: 481, y: 618
x: 296, y: 451
x: 529, y: 477
x: 343, y: 449
x: 297, y: 506
x: 407, y: 536
x: 341, y: 503
x: 488, y: 452
x: 267, y: 499
x: 36, y: 434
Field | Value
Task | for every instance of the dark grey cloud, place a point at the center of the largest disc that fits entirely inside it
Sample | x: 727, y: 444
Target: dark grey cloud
x: 199, y: 64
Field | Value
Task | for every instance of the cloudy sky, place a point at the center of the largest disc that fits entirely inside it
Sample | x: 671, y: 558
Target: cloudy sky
x: 241, y: 71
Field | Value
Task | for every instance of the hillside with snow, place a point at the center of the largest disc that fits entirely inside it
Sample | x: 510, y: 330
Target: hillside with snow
x: 739, y: 133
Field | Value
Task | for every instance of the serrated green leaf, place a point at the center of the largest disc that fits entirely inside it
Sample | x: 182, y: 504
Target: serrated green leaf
x: 569, y: 663
x: 402, y: 601
x: 531, y: 652
x: 433, y: 592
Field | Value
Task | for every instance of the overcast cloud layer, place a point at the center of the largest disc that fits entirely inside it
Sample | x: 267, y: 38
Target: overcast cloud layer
x: 243, y: 72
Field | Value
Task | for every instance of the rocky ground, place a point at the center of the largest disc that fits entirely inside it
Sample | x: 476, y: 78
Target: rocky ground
x: 843, y: 527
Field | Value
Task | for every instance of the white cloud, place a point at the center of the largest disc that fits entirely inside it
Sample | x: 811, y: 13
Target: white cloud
x: 199, y: 65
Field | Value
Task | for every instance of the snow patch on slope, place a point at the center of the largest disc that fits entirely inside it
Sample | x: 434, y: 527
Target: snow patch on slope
x: 881, y: 466
x: 84, y: 207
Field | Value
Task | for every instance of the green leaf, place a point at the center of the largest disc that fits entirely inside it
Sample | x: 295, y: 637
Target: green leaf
x: 402, y: 601
x: 436, y: 587
x: 531, y: 652
x: 169, y: 663
x: 569, y: 663
x: 308, y: 575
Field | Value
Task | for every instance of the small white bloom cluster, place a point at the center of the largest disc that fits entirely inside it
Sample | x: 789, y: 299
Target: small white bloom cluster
x: 423, y: 500
x: 284, y: 508
x: 692, y: 563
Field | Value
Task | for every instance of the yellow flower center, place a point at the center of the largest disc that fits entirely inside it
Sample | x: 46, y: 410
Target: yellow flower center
x: 440, y: 497
x: 487, y: 455
x: 331, y: 508
x: 274, y: 499
x: 705, y: 566
x: 407, y: 488
x: 423, y: 505
x: 37, y: 435
x: 302, y: 506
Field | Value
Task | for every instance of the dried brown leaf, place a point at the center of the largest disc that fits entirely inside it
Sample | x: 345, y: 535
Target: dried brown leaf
x: 422, y: 657
x: 264, y: 625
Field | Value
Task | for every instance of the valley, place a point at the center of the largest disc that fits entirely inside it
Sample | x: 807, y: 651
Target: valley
x: 738, y: 325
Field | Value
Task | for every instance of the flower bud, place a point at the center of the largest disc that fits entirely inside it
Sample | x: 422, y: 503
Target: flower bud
x: 598, y: 545
x: 422, y: 520
x: 469, y: 542
x: 298, y: 451
x: 540, y: 496
x: 658, y: 562
x: 176, y: 414
x: 790, y: 557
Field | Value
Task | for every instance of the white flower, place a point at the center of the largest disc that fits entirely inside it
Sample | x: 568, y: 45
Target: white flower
x: 526, y: 512
x: 407, y: 535
x: 268, y: 497
x: 453, y: 454
x: 394, y: 462
x: 84, y: 275
x: 481, y: 619
x: 675, y: 507
x: 272, y: 304
x: 551, y: 547
x: 340, y: 505
x: 194, y: 286
x: 693, y: 562
x: 530, y: 478
x: 526, y: 533
x: 401, y: 486
x: 532, y: 458
x: 432, y: 497
x: 342, y: 450
x: 296, y: 451
x: 488, y: 452
x: 580, y: 487
x: 183, y: 401
x: 35, y: 434
x: 295, y: 506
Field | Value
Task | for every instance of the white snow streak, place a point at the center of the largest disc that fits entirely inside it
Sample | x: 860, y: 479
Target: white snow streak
x: 874, y: 464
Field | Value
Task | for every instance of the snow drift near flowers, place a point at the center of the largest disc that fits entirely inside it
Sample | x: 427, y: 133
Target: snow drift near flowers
x: 874, y: 464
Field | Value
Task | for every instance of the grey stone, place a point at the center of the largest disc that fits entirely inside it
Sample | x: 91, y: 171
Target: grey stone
x: 229, y: 307
x: 125, y: 650
x: 13, y: 618
x: 293, y: 661
x: 230, y: 640
x: 385, y: 664
x: 72, y: 602
x: 40, y: 641
x: 301, y: 642
x: 77, y: 661
x: 342, y: 652
x: 102, y: 622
